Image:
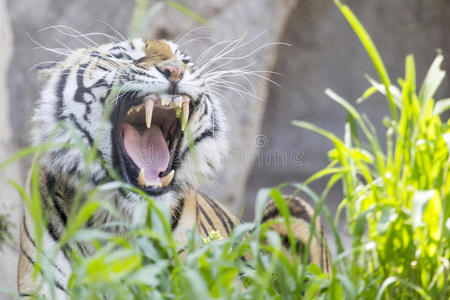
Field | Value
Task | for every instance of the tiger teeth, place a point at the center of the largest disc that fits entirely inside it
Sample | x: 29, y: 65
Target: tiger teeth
x: 141, y: 178
x: 165, y: 100
x: 166, y: 180
x: 149, y: 103
x: 178, y: 101
x: 134, y: 108
x: 185, y: 115
x: 149, y: 185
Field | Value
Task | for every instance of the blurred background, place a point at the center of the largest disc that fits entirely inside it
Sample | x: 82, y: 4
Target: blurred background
x: 266, y: 149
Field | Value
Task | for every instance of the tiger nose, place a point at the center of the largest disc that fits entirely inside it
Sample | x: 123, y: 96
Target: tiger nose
x: 172, y: 71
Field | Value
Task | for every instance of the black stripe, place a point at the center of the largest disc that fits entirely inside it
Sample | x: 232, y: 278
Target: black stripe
x: 271, y: 211
x: 301, y: 212
x: 53, y: 195
x: 271, y: 214
x: 84, y: 131
x: 204, y: 229
x: 74, y: 169
x: 52, y: 231
x: 50, y: 181
x: 27, y: 233
x: 60, y: 93
x: 30, y: 260
x: 222, y: 213
x: 81, y: 90
x: 177, y: 213
x: 24, y: 295
x: 117, y: 47
x: 59, y: 286
x: 198, y: 220
x: 204, y: 113
x: 102, y: 68
x: 207, y: 219
x: 219, y: 215
x: 300, y: 247
x: 210, y: 165
x: 138, y: 71
x: 108, y: 92
x: 60, y: 210
x: 196, y: 211
x: 83, y: 252
x: 207, y: 133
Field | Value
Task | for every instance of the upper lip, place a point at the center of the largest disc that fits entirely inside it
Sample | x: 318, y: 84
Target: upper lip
x: 131, y: 107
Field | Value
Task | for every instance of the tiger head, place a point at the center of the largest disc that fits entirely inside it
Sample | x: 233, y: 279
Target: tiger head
x: 146, y: 110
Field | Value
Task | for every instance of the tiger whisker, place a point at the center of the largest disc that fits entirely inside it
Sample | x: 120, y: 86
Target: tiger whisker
x: 242, y: 73
x: 235, y: 45
x: 200, y: 38
x: 209, y: 49
x: 240, y: 91
x: 179, y: 40
x: 212, y: 71
x: 213, y: 82
x: 77, y: 35
x: 224, y: 50
x: 114, y: 30
x: 216, y: 93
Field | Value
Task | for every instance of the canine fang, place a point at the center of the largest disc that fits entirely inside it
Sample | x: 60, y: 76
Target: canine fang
x: 149, y: 103
x: 185, y: 115
x: 166, y: 180
x: 141, y: 178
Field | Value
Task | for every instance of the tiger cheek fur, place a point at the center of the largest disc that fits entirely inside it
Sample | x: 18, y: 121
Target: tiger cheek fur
x: 146, y: 110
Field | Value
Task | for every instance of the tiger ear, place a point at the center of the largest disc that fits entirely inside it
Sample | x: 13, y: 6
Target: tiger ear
x: 45, y: 71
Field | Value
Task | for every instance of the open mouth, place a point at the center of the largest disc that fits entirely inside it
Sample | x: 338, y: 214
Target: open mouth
x: 147, y: 133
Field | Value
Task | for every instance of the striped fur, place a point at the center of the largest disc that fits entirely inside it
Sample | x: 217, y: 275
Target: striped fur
x: 75, y: 98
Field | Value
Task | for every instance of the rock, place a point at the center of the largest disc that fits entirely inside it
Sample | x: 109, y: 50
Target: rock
x: 10, y: 202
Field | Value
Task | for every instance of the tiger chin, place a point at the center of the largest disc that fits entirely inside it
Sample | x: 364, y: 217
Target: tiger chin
x: 162, y: 132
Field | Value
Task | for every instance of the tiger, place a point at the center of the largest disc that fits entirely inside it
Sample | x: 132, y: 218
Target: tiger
x: 163, y: 132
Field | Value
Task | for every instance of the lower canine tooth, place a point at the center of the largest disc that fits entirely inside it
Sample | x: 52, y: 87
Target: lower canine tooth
x: 185, y: 115
x: 141, y: 178
x: 149, y: 103
x: 166, y: 180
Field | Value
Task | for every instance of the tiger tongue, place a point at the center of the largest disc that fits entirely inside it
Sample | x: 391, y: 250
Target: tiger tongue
x: 148, y: 150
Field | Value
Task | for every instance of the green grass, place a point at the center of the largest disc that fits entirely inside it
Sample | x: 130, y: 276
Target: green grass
x: 396, y: 200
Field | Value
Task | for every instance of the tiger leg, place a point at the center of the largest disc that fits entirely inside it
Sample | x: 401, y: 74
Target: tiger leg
x: 28, y: 284
x: 301, y: 216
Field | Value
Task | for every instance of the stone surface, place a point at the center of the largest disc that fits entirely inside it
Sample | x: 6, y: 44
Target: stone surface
x: 9, y: 200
